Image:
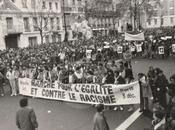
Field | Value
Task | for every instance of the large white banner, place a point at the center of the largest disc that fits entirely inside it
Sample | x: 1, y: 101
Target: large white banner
x: 108, y: 94
x: 136, y: 37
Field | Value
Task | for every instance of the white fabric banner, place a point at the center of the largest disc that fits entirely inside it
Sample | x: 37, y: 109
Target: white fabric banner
x: 108, y: 94
x: 132, y: 37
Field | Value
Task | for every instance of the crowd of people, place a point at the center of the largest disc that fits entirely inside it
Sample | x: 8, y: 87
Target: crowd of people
x: 101, y: 60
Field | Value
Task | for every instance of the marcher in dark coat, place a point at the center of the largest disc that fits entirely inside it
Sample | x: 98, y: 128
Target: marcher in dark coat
x: 118, y: 78
x: 128, y: 73
x: 161, y: 84
x: 110, y: 77
x: 25, y: 116
x: 145, y: 92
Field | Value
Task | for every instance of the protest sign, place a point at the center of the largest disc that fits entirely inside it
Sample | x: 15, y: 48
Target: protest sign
x: 119, y: 49
x: 134, y: 37
x: 88, y: 54
x: 132, y: 48
x: 173, y: 47
x: 108, y: 94
x: 161, y: 50
x: 139, y: 47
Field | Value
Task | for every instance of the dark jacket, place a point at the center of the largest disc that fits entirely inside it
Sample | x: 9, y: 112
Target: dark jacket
x: 26, y: 119
x: 161, y: 83
x: 129, y: 73
x: 120, y: 80
x: 110, y: 79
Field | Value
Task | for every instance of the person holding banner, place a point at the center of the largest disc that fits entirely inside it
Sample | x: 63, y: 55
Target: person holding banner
x: 100, y: 122
x: 145, y: 92
x: 119, y: 80
x: 129, y: 78
x: 139, y: 48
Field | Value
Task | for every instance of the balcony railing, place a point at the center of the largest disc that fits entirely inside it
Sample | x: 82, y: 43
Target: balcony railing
x: 72, y: 9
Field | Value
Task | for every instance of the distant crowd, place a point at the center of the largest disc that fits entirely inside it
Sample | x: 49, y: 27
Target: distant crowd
x: 102, y: 60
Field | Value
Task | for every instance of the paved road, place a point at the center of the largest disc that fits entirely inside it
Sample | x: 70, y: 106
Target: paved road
x: 70, y: 116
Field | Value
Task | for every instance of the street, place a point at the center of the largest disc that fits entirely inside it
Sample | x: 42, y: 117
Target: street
x: 57, y: 115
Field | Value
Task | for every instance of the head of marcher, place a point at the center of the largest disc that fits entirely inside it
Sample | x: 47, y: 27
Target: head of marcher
x: 100, y: 108
x: 172, y: 79
x: 23, y: 102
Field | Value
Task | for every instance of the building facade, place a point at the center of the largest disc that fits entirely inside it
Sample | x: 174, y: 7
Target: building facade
x: 29, y: 22
x: 71, y: 9
x: 101, y: 15
x: 165, y: 15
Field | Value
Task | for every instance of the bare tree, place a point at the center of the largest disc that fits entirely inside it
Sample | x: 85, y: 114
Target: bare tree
x: 136, y: 8
x: 41, y: 16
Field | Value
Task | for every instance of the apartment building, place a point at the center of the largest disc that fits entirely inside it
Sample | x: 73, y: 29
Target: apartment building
x: 26, y: 23
x: 72, y: 9
x: 165, y: 15
x: 101, y: 15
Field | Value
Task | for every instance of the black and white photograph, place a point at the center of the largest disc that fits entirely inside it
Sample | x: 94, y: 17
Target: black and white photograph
x: 87, y: 64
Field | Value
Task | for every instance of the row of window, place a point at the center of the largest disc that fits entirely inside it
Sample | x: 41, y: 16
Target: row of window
x: 33, y: 4
x: 33, y: 41
x: 162, y: 21
x: 50, y: 5
x: 79, y: 2
x: 101, y: 25
x: 42, y: 23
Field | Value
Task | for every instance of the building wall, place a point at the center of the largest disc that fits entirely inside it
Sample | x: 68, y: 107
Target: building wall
x: 2, y: 45
x: 156, y: 21
x: 72, y: 9
x: 166, y: 13
x: 101, y: 14
x: 18, y: 23
x: 36, y: 5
